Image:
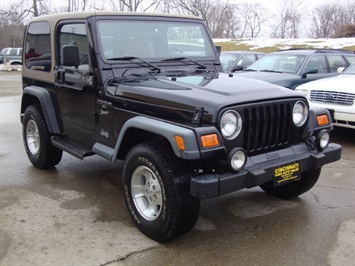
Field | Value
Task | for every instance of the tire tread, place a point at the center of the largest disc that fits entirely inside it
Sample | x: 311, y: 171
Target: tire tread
x: 185, y: 208
x: 49, y: 156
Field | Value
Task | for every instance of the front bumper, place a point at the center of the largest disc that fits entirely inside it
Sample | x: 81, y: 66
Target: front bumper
x: 260, y: 169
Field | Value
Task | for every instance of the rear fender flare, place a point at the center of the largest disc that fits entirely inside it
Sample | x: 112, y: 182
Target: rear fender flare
x: 46, y: 103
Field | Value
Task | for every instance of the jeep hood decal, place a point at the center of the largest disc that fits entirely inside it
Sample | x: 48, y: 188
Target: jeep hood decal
x: 211, y: 92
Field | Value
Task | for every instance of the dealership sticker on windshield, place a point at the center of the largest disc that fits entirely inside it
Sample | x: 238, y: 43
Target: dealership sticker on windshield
x: 286, y: 173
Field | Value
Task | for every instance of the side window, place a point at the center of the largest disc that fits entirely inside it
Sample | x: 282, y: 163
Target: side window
x: 38, y: 47
x: 351, y: 59
x: 75, y: 34
x: 336, y: 61
x: 246, y: 60
x: 317, y: 62
x: 13, y: 51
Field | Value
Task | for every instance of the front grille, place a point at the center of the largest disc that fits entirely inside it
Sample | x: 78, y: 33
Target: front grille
x: 341, y: 98
x: 267, y: 126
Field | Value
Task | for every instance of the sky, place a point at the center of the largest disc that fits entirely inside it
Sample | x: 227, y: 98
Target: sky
x: 270, y: 4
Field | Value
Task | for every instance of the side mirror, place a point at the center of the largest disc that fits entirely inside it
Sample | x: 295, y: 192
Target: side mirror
x: 309, y: 70
x: 70, y: 55
x: 237, y: 68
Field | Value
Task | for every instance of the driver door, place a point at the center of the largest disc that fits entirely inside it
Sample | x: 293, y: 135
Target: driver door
x: 74, y: 87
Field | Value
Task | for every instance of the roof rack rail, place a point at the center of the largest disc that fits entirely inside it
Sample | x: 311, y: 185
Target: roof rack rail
x: 334, y: 51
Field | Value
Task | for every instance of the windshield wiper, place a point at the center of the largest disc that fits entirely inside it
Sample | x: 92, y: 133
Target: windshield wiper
x: 185, y: 58
x: 269, y: 70
x: 130, y: 58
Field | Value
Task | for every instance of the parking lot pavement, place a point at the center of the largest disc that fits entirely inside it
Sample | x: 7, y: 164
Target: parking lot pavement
x: 75, y: 214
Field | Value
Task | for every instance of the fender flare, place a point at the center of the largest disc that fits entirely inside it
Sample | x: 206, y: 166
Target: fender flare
x: 312, y: 125
x: 166, y: 130
x: 46, y: 103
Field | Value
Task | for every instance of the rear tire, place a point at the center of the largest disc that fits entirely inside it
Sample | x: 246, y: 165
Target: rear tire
x: 36, y: 138
x: 157, y: 192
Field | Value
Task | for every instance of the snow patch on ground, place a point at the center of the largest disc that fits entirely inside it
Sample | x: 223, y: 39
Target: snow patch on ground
x: 256, y: 43
x: 7, y: 67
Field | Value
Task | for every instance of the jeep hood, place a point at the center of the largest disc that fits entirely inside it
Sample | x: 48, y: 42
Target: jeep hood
x: 211, y: 92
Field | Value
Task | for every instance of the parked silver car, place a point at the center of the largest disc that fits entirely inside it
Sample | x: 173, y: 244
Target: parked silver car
x: 12, y: 56
x: 238, y: 60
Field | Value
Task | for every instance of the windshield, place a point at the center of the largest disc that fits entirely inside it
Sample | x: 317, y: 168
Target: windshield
x: 278, y: 63
x: 153, y: 40
x: 350, y: 70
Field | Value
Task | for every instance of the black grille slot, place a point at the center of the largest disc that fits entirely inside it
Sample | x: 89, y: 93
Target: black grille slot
x: 267, y: 126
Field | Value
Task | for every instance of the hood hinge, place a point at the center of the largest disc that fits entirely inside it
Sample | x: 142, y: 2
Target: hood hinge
x: 198, y: 117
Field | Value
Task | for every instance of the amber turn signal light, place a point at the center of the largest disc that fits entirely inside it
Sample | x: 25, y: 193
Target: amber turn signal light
x: 180, y: 142
x: 322, y: 120
x: 209, y: 140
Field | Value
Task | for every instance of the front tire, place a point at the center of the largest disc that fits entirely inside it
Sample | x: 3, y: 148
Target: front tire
x: 157, y: 192
x: 36, y: 138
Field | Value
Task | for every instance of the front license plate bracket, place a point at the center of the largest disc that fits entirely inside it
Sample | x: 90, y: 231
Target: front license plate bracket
x: 286, y: 173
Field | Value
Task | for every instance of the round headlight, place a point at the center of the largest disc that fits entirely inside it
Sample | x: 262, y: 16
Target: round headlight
x: 323, y: 139
x: 299, y: 113
x: 231, y: 124
x: 237, y: 158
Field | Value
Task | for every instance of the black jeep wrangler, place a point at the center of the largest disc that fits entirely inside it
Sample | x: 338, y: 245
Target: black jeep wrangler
x: 149, y: 89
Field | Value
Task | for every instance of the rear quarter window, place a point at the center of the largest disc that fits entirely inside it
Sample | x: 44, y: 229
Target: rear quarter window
x: 38, y: 48
x: 350, y: 58
x: 336, y: 61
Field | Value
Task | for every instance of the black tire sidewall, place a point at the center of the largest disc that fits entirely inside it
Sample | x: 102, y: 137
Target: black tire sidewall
x: 156, y: 229
x: 33, y: 114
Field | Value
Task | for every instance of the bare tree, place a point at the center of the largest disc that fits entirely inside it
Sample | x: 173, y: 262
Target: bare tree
x: 218, y: 15
x: 77, y: 5
x: 328, y: 18
x: 346, y: 31
x: 11, y: 25
x: 38, y: 8
x: 132, y: 5
x: 164, y: 6
x: 12, y: 20
x: 221, y: 20
x: 22, y: 9
x: 288, y: 17
x: 253, y: 18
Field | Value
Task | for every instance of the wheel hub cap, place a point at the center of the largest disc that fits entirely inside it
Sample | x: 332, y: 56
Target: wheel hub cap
x: 32, y: 137
x: 146, y: 193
